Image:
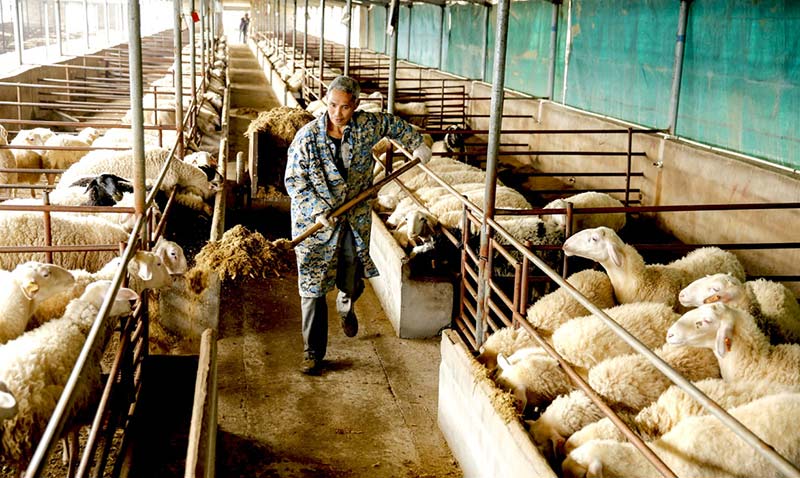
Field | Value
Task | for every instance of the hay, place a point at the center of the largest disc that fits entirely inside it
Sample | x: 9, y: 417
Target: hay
x: 240, y: 253
x: 280, y: 123
x: 503, y: 402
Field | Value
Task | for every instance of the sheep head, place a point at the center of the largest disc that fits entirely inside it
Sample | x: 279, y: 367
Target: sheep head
x: 600, y: 244
x: 709, y: 326
x: 40, y: 281
x: 96, y: 292
x: 713, y: 288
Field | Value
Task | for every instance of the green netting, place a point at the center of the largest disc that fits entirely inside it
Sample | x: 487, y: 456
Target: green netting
x: 527, y: 46
x: 741, y: 78
x: 402, y: 30
x: 377, y: 29
x: 426, y: 29
x: 466, y: 27
x: 621, y: 59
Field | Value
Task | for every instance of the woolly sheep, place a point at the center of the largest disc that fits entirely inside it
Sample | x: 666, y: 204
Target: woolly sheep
x: 37, y: 364
x: 7, y: 159
x: 557, y: 307
x: 27, y: 229
x: 532, y: 377
x: 564, y: 416
x: 634, y: 382
x: 120, y: 163
x: 700, y: 446
x: 615, y: 221
x: 586, y: 341
x: 8, y: 404
x: 23, y: 289
x: 171, y: 253
x: 773, y: 305
x: 743, y: 351
x: 633, y: 280
x: 505, y: 341
x: 30, y: 158
x: 62, y: 159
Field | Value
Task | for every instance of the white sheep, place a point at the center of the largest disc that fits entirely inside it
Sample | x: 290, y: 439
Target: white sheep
x: 8, y: 403
x: 700, y: 446
x: 505, y: 341
x: 62, y: 159
x: 27, y: 229
x: 743, y: 351
x: 37, y: 364
x: 586, y: 341
x: 532, y: 376
x: 635, y: 281
x: 171, y: 253
x: 557, y: 307
x: 615, y: 221
x: 30, y: 158
x: 23, y: 289
x: 633, y: 381
x: 184, y: 175
x: 772, y: 304
x: 7, y: 160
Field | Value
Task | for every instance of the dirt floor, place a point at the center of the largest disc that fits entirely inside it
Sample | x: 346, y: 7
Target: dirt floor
x: 373, y: 412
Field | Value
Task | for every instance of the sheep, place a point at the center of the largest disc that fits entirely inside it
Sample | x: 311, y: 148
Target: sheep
x: 773, y: 305
x: 633, y: 280
x: 586, y: 341
x: 700, y: 446
x: 27, y: 228
x: 120, y: 163
x: 557, y: 307
x: 7, y: 160
x: 30, y: 158
x: 172, y: 255
x: 8, y: 404
x: 101, y: 190
x: 412, y: 226
x: 23, y: 289
x: 37, y: 365
x: 532, y: 376
x: 505, y: 341
x: 743, y: 351
x: 633, y: 381
x: 615, y: 221
x: 62, y: 159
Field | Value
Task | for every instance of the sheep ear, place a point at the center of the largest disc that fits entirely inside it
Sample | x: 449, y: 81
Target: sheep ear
x: 723, y: 341
x: 30, y: 288
x: 8, y: 403
x: 502, y: 362
x: 125, y: 293
x: 595, y: 469
x: 613, y: 253
x: 83, y: 181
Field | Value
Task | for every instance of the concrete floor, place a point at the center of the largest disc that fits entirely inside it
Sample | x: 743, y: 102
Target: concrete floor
x: 374, y: 410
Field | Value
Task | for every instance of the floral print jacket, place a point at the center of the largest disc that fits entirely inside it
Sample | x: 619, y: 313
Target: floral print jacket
x: 315, y: 186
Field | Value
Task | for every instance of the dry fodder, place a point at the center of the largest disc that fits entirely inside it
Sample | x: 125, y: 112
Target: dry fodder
x: 281, y: 123
x: 240, y: 253
x: 502, y: 400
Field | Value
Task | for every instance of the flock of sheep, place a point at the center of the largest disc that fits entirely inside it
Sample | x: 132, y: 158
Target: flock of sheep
x: 736, y: 341
x: 47, y: 310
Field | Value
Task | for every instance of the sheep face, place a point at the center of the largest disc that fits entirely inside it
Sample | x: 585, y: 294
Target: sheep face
x: 40, y: 281
x: 714, y: 288
x: 149, y: 267
x: 709, y: 326
x: 96, y: 292
x: 172, y: 255
x: 600, y: 244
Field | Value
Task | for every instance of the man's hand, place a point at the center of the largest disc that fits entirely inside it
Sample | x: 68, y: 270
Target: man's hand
x: 423, y: 152
x: 325, y: 221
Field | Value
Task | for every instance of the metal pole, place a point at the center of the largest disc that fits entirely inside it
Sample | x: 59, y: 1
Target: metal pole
x: 203, y: 36
x: 551, y: 74
x: 485, y: 46
x: 441, y: 36
x: 408, y: 38
x: 677, y: 69
x: 495, y: 124
x: 321, y: 48
x: 17, y: 25
x: 394, y: 21
x: 285, y: 21
x: 193, y: 57
x: 108, y: 23
x: 86, y: 17
x: 178, y: 75
x: 294, y: 33
x: 349, y: 15
x: 46, y: 28
x: 58, y: 29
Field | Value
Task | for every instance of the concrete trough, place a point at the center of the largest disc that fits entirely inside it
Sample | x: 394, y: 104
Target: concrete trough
x: 416, y: 308
x: 480, y: 439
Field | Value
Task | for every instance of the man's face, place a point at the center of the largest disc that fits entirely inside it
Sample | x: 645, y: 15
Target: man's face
x: 341, y: 107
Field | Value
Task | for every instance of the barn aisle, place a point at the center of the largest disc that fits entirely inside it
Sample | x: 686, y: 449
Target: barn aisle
x: 373, y: 412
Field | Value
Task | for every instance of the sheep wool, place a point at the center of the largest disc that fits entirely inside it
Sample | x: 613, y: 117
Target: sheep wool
x: 557, y: 307
x: 505, y: 341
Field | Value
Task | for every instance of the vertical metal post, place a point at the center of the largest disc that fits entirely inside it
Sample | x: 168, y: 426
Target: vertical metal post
x: 285, y: 22
x: 17, y: 25
x: 677, y: 68
x: 203, y: 37
x: 392, y: 24
x: 441, y: 36
x: 178, y: 75
x: 58, y: 29
x: 46, y: 28
x: 485, y: 46
x: 86, y: 17
x: 567, y: 53
x: 495, y: 125
x: 192, y: 58
x: 321, y: 48
x: 294, y: 33
x: 3, y: 33
x: 408, y: 38
x: 551, y: 73
x: 108, y: 23
x: 349, y: 15
x: 305, y: 37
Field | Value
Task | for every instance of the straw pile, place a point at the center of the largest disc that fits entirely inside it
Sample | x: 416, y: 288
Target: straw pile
x: 281, y: 124
x: 240, y: 253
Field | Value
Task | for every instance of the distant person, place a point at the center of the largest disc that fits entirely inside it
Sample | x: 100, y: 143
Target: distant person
x: 243, y: 24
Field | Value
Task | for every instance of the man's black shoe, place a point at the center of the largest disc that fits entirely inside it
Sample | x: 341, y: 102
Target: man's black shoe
x: 311, y: 366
